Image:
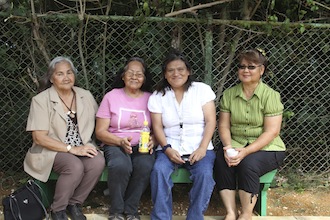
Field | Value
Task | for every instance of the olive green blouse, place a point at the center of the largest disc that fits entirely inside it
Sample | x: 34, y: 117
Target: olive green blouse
x: 247, y: 116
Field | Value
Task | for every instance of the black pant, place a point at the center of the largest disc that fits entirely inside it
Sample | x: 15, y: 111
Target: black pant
x: 245, y: 176
x: 129, y: 176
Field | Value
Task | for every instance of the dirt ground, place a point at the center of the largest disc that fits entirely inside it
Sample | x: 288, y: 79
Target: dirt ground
x: 281, y: 201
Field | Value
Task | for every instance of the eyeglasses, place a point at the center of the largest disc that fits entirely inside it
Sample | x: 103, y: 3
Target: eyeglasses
x: 250, y: 67
x: 138, y: 75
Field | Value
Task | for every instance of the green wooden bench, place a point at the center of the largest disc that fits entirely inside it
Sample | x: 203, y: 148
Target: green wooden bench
x: 181, y: 175
x: 265, y: 182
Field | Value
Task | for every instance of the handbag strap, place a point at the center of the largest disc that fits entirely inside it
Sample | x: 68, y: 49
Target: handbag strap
x: 31, y: 182
x: 43, y: 194
x: 11, y: 201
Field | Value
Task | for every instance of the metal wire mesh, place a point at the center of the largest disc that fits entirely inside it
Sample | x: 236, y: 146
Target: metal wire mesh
x: 299, y: 70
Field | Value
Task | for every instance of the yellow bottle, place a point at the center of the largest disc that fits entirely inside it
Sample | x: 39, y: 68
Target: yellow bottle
x: 144, y: 138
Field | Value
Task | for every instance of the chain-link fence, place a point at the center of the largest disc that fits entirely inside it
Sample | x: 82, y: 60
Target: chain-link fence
x: 299, y: 69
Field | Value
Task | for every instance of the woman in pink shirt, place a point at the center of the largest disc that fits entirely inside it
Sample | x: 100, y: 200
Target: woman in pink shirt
x: 119, y: 121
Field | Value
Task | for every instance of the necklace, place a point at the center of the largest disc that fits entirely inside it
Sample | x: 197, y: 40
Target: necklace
x: 179, y: 110
x: 71, y: 113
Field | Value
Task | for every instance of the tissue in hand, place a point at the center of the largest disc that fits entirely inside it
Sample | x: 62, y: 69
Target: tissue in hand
x: 231, y: 152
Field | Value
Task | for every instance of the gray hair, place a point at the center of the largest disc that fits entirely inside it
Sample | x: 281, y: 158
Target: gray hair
x: 45, y: 81
x: 56, y: 60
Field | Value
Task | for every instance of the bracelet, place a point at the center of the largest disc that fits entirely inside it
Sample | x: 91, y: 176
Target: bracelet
x: 165, y: 147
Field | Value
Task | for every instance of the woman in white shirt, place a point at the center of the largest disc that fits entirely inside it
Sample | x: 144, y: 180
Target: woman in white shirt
x: 184, y: 120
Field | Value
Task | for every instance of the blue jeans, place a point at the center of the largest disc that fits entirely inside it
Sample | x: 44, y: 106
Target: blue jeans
x: 199, y: 195
x: 128, y: 177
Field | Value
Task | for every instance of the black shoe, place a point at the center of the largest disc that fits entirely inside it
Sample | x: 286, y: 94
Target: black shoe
x: 60, y: 215
x: 75, y: 212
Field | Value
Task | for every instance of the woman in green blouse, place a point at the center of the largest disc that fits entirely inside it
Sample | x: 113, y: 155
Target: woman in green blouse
x: 249, y: 122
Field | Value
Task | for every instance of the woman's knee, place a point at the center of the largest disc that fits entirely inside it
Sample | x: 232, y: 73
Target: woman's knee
x: 161, y: 166
x: 98, y: 163
x: 206, y: 175
x: 119, y: 166
x: 144, y: 163
x: 75, y: 171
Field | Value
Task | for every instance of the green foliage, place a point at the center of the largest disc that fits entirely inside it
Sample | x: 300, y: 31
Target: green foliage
x: 273, y: 18
x: 297, y: 10
x: 21, y: 7
x: 288, y: 114
x: 302, y: 13
x: 302, y: 28
x: 148, y: 8
x: 312, y: 5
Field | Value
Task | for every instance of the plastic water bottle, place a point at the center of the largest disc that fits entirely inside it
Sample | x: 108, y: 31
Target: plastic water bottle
x: 144, y: 138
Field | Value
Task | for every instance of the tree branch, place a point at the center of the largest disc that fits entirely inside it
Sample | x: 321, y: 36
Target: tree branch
x: 194, y: 8
x: 319, y: 4
x: 36, y: 33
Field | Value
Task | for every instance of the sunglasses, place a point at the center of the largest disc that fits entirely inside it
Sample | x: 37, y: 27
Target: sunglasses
x: 250, y: 67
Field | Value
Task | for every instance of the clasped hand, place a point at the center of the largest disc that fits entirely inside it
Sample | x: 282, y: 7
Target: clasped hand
x: 175, y: 157
x: 235, y: 160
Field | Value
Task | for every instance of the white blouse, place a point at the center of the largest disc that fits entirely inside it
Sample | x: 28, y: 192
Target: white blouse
x: 186, y: 138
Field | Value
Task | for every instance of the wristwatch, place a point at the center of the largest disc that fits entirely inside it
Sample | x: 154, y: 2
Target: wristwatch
x: 165, y: 147
x: 68, y: 147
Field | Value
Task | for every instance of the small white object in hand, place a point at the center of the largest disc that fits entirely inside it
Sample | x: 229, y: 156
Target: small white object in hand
x: 231, y: 152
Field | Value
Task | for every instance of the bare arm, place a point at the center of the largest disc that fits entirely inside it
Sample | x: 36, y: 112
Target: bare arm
x: 225, y: 134
x: 157, y: 126
x: 224, y: 128
x: 272, y: 128
x: 210, y: 124
x: 103, y: 134
x: 158, y: 130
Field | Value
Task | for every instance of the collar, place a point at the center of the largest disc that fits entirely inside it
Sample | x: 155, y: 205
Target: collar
x: 258, y: 91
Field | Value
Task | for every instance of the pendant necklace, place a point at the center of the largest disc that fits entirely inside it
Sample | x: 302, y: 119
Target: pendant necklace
x: 71, y: 113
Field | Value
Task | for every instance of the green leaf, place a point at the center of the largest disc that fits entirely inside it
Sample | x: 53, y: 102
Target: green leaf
x: 302, y: 28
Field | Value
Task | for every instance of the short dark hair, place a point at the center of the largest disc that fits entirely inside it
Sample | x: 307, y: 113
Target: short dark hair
x: 172, y: 56
x: 253, y: 55
x: 119, y: 83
